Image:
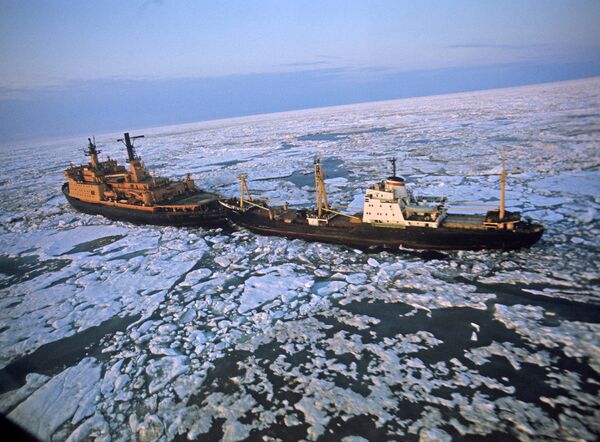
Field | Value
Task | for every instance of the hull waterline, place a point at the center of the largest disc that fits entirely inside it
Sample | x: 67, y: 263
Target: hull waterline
x: 366, y: 236
x: 213, y: 215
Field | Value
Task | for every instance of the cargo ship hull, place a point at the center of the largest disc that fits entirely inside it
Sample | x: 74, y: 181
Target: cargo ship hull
x: 368, y: 236
x: 210, y: 214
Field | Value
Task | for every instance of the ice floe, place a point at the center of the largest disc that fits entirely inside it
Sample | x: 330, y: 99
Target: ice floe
x: 240, y: 335
x: 70, y: 394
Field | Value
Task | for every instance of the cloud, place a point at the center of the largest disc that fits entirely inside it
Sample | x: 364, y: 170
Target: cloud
x: 320, y: 60
x: 492, y: 46
x: 305, y: 64
x: 328, y: 57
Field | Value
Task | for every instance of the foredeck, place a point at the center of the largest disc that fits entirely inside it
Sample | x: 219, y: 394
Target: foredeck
x: 464, y: 221
x: 189, y: 200
x: 297, y: 216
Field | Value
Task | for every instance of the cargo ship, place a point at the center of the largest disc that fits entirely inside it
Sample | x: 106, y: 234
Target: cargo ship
x: 393, y: 218
x: 135, y: 195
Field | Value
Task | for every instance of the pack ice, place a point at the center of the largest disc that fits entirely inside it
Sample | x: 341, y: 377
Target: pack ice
x: 111, y: 331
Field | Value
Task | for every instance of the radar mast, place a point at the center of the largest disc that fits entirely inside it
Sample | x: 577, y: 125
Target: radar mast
x: 128, y: 142
x: 393, y: 161
x: 92, y: 152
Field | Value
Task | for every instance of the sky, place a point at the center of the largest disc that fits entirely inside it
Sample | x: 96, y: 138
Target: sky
x: 84, y: 67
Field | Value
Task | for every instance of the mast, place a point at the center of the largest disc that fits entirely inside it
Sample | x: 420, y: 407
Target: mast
x: 321, y: 194
x: 128, y: 142
x: 393, y: 161
x: 502, y: 190
x: 138, y: 171
x: 92, y: 152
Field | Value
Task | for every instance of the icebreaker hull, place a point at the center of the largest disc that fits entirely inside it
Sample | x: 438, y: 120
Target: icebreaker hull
x: 209, y: 214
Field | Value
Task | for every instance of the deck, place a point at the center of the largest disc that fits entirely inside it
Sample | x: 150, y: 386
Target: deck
x: 464, y: 221
x: 198, y: 198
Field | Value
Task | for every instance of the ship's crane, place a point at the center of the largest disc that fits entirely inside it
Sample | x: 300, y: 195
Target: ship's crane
x: 321, y: 194
x: 245, y: 191
x: 502, y: 190
x: 243, y: 179
x: 502, y: 208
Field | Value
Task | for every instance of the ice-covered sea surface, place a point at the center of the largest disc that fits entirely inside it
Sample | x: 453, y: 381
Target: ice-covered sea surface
x: 114, y: 331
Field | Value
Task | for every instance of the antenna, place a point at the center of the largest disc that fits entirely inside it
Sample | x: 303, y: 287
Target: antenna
x: 91, y: 148
x: 128, y: 142
x: 92, y: 152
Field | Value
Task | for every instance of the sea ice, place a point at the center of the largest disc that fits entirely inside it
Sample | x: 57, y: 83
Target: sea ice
x: 59, y: 399
x: 260, y: 289
x: 577, y: 339
x: 10, y: 400
x: 322, y: 333
x: 163, y: 370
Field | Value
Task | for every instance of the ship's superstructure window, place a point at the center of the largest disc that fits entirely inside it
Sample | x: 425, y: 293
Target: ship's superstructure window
x: 390, y: 202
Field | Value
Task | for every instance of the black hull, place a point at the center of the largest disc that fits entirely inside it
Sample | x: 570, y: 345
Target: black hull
x: 366, y: 236
x: 213, y: 216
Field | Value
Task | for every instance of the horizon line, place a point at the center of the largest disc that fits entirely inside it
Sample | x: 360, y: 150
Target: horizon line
x: 72, y: 136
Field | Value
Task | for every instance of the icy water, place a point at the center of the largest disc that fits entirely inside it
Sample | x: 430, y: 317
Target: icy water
x: 114, y: 331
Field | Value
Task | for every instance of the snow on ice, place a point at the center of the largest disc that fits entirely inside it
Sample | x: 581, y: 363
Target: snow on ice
x: 230, y: 333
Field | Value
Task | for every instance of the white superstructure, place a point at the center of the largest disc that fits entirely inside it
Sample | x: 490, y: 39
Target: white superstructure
x: 391, y: 203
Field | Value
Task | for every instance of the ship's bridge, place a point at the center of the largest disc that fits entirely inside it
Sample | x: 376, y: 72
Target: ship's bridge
x: 391, y: 202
